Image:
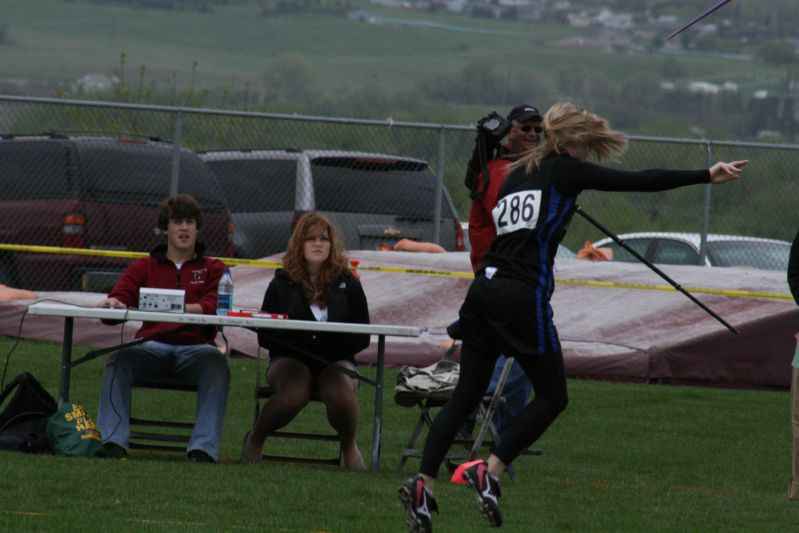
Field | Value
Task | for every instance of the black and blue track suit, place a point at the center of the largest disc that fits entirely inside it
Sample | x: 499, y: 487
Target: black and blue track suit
x: 507, y: 309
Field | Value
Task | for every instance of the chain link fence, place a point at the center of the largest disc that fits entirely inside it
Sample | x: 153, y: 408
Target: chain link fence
x: 83, y: 176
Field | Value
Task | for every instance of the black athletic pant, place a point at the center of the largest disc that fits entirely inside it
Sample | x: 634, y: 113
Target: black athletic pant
x: 496, y: 318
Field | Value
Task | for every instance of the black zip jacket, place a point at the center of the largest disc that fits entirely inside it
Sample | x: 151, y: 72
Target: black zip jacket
x: 346, y: 302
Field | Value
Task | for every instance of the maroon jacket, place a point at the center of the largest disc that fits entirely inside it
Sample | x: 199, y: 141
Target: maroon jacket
x: 199, y: 277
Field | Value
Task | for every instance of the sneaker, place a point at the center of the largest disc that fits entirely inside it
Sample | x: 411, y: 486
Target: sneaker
x: 199, y: 456
x: 486, y: 488
x: 419, y: 504
x: 114, y: 450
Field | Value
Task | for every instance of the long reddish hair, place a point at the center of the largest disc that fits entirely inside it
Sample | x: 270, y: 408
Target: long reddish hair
x: 312, y: 225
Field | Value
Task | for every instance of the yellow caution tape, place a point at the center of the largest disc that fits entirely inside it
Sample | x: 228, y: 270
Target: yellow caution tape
x: 121, y: 254
x: 250, y: 262
x: 72, y: 251
x: 698, y: 290
x: 442, y: 273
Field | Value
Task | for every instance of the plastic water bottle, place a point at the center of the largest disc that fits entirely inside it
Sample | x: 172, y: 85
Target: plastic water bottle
x: 224, y: 299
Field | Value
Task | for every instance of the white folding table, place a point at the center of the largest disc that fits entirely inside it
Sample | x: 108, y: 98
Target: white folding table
x: 71, y: 312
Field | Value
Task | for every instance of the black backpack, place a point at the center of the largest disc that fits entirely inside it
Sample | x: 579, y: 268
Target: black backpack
x: 25, y: 407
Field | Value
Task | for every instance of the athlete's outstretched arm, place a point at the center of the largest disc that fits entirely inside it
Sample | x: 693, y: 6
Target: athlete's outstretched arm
x: 723, y: 172
x: 572, y: 176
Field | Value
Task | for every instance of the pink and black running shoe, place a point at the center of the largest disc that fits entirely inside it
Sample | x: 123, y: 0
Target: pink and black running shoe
x: 486, y: 488
x: 419, y: 505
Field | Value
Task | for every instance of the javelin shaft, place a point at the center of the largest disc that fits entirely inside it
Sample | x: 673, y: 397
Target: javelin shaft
x: 652, y: 267
x: 699, y: 17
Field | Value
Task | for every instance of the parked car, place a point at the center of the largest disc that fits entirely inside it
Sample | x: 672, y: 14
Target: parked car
x: 98, y: 193
x: 683, y: 249
x: 372, y: 198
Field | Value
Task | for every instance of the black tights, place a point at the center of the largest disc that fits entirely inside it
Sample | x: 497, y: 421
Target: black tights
x: 546, y: 372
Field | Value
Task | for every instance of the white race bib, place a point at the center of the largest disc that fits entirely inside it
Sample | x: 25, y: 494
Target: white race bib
x: 517, y: 211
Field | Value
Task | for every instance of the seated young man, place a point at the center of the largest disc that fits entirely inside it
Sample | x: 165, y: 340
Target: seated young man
x: 184, y: 352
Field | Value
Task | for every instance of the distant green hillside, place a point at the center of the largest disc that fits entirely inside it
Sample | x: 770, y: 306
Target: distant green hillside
x: 454, y: 70
x: 60, y: 40
x: 330, y: 65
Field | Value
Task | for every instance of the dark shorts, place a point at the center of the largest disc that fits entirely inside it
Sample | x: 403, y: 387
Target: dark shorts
x: 509, y: 314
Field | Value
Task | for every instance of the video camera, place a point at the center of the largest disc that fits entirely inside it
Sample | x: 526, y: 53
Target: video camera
x: 495, y: 125
x: 491, y: 129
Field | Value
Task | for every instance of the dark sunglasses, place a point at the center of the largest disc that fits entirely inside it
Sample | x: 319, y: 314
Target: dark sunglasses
x: 528, y: 128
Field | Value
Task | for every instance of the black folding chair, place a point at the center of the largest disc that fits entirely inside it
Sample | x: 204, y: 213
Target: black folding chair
x: 151, y: 439
x: 264, y: 392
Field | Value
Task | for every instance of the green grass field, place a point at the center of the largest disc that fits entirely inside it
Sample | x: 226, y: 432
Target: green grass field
x: 623, y: 457
x: 59, y: 41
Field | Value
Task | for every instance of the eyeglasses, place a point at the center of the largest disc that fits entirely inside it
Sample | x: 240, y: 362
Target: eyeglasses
x: 528, y: 128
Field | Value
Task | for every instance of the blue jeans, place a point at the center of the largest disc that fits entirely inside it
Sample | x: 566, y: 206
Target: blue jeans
x: 516, y: 393
x: 200, y: 364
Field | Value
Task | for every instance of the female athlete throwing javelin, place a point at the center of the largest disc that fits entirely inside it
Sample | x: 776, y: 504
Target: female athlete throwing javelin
x: 507, y: 308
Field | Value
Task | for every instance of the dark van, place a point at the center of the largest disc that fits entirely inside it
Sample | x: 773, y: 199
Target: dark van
x: 372, y: 198
x: 94, y: 193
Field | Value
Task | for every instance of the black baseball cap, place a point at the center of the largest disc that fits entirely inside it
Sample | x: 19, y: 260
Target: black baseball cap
x: 523, y: 113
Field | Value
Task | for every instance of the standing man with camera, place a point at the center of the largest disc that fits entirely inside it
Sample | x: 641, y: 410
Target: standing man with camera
x: 486, y: 171
x: 485, y: 175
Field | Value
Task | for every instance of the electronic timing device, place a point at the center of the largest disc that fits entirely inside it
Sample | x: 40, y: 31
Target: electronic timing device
x: 163, y: 300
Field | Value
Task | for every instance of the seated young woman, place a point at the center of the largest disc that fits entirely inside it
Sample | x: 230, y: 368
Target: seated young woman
x: 315, y: 283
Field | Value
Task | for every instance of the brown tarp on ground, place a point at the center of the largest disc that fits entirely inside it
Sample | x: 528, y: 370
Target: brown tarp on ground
x: 606, y: 332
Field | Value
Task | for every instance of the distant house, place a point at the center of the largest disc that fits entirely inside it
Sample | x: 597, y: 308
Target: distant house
x: 703, y: 87
x: 706, y: 29
x: 91, y: 83
x: 730, y: 86
x: 560, y: 10
x: 485, y: 9
x: 365, y: 16
x: 597, y: 38
x: 515, y: 3
x: 456, y: 6
x: 391, y: 3
x: 616, y: 21
x: 664, y: 21
x: 579, y: 20
x: 530, y: 10
x: 769, y: 136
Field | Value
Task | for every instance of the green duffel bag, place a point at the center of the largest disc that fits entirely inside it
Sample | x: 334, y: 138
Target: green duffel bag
x: 72, y: 432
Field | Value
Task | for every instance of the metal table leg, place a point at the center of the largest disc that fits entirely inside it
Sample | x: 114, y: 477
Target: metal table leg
x: 66, y: 359
x: 378, y: 427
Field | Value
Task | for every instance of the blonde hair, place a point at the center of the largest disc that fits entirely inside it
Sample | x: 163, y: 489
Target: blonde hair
x: 313, y: 224
x: 568, y: 126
